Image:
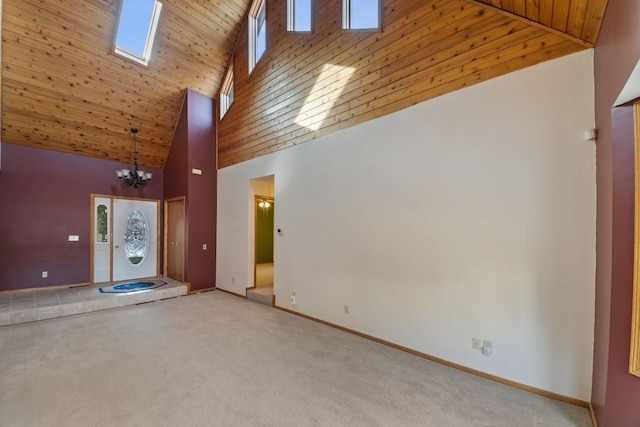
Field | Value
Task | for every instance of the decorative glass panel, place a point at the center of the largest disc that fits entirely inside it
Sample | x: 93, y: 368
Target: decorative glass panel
x: 136, y: 238
x: 102, y: 226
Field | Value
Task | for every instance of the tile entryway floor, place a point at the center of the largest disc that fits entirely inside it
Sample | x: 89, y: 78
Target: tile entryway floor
x: 25, y: 307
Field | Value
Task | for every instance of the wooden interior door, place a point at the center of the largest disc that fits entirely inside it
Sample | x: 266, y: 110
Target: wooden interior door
x: 174, y: 211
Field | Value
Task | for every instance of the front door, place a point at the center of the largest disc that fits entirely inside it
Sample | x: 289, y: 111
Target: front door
x: 135, y: 239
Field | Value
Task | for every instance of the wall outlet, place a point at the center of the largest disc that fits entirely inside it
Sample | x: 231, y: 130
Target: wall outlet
x: 487, y: 348
x: 45, y: 274
x: 346, y: 309
x: 292, y: 299
x: 476, y: 343
x: 233, y: 280
x: 204, y: 247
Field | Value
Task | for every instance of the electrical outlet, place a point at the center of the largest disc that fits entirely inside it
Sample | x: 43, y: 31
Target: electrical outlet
x: 476, y: 343
x: 204, y: 247
x: 487, y: 348
x: 292, y: 299
x: 45, y: 274
x: 233, y: 280
x: 346, y: 309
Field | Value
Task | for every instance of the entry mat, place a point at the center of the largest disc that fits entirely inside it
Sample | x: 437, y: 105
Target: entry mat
x: 122, y: 288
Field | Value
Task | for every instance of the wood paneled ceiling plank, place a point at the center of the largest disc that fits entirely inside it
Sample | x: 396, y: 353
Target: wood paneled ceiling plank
x: 396, y: 86
x: 58, y: 63
x: 295, y: 82
x: 560, y: 15
x: 73, y: 15
x: 46, y: 29
x: 577, y: 17
x: 76, y: 89
x: 381, y: 67
x: 71, y: 138
x: 91, y: 116
x: 593, y: 21
x: 539, y: 25
x: 508, y: 6
x: 79, y: 58
x: 533, y: 10
x: 546, y: 12
x: 520, y: 7
x: 518, y: 50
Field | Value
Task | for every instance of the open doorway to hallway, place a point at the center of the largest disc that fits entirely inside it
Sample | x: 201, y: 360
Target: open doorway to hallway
x: 262, y: 209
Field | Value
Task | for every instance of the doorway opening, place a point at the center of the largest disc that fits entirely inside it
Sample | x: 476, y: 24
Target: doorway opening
x: 262, y: 211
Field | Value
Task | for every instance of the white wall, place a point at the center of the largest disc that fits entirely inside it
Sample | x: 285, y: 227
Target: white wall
x: 471, y: 215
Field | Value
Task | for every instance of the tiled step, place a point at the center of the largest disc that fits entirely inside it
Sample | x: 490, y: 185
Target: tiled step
x: 25, y: 307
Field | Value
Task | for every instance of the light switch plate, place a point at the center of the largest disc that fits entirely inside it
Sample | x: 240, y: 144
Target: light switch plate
x: 74, y: 238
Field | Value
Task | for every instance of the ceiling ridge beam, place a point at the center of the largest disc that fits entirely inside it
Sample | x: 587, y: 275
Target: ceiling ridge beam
x: 532, y: 23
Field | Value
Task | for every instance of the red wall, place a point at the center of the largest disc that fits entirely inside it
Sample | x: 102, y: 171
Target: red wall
x: 616, y: 393
x: 176, y: 183
x: 44, y: 197
x: 202, y: 198
x: 194, y: 146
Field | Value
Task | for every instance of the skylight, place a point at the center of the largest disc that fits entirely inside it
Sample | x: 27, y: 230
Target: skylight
x: 137, y: 28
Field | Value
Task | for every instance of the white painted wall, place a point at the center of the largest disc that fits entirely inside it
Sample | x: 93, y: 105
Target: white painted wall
x: 471, y: 215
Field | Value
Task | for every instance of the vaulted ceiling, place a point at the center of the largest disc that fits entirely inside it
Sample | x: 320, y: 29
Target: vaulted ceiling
x: 63, y: 89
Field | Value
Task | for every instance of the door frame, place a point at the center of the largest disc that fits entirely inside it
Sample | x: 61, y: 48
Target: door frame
x: 111, y: 243
x: 166, y: 234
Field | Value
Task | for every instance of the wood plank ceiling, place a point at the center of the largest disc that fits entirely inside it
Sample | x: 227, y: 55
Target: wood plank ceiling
x: 311, y: 85
x: 63, y: 89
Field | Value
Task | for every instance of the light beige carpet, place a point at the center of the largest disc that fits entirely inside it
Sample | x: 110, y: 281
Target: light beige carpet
x: 216, y: 360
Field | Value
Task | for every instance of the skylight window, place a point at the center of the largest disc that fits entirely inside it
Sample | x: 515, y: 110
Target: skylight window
x: 299, y: 16
x: 137, y: 28
x: 257, y: 32
x: 361, y: 14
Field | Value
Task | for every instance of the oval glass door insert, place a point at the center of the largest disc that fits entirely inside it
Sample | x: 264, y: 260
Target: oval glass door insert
x: 136, y: 237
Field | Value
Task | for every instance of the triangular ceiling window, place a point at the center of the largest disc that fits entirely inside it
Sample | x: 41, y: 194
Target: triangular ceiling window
x: 136, y: 29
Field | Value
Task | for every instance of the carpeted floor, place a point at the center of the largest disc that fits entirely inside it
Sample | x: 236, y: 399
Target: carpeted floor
x: 212, y: 359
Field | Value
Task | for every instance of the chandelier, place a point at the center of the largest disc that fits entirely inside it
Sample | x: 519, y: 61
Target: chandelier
x: 263, y: 203
x: 136, y: 178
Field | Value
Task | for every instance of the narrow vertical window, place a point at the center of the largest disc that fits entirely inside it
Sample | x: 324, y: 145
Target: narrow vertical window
x: 361, y: 14
x: 226, y: 92
x: 299, y: 16
x: 137, y: 29
x: 257, y: 32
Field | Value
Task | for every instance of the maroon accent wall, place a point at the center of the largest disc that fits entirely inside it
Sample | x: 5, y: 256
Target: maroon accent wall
x: 194, y: 146
x: 176, y: 183
x: 615, y: 393
x: 202, y: 198
x: 44, y: 197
